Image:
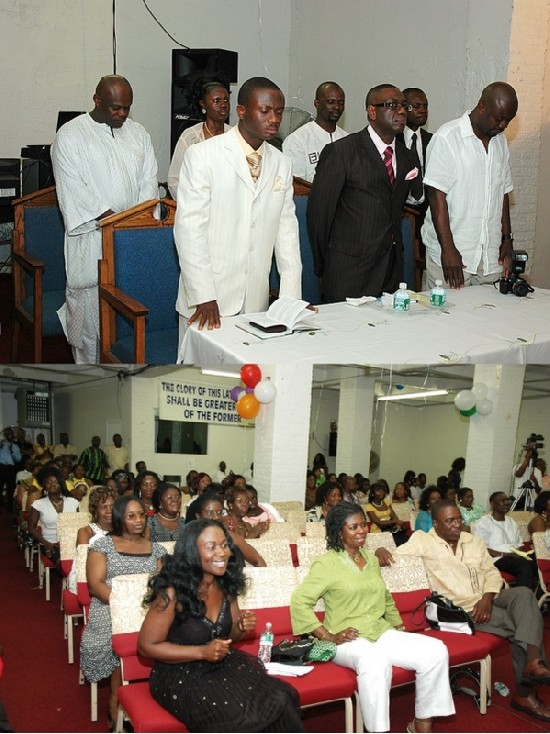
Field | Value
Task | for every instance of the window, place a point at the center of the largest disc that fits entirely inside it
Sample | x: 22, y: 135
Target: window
x: 177, y: 437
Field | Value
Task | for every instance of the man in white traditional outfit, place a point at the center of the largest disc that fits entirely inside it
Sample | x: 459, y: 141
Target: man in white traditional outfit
x: 103, y: 163
x: 238, y: 211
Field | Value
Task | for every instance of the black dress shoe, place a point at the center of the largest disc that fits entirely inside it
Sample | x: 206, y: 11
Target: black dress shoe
x: 531, y: 705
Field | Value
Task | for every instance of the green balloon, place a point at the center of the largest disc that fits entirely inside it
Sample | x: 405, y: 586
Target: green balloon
x: 468, y: 413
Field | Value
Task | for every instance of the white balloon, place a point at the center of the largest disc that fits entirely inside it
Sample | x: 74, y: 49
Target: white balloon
x: 480, y: 390
x: 265, y: 391
x: 484, y: 407
x: 465, y: 400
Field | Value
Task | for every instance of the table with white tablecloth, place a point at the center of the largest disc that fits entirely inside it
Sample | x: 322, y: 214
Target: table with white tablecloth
x: 478, y: 324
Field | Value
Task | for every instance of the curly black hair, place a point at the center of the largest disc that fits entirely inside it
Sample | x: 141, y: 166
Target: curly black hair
x: 323, y: 491
x: 425, y: 496
x: 160, y: 491
x: 336, y: 519
x: 183, y: 572
x: 99, y: 495
x: 541, y: 501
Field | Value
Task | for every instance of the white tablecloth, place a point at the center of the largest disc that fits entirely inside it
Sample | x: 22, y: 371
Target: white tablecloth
x: 479, y: 324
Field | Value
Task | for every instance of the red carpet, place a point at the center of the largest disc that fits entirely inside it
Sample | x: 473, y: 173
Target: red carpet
x: 41, y: 693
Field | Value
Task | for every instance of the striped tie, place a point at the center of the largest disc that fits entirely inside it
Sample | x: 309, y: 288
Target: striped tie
x: 388, y: 153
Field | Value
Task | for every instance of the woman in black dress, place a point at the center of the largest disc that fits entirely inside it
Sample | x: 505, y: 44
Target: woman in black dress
x: 193, y: 619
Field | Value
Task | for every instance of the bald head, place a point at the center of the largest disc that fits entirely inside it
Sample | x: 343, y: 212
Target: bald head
x: 329, y: 102
x: 112, y: 99
x: 496, y: 108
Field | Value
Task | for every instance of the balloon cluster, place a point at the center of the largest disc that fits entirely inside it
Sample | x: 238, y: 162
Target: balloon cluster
x: 255, y: 391
x: 475, y: 400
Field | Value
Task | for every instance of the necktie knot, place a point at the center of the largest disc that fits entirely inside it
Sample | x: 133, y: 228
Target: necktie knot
x: 254, y: 161
x: 413, y: 140
x: 388, y: 155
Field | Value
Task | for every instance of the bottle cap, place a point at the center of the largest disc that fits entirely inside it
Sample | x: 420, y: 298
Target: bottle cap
x: 438, y: 283
x: 403, y: 286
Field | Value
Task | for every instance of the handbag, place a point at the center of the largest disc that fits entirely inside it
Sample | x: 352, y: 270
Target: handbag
x: 444, y: 615
x: 322, y: 651
x: 291, y: 652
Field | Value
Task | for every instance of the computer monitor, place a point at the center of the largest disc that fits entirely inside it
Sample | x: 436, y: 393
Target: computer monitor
x: 63, y: 117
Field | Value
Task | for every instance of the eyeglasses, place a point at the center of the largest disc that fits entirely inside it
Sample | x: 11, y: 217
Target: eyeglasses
x: 393, y: 104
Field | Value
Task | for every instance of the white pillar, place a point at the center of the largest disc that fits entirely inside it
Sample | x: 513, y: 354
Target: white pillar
x: 281, y: 436
x: 491, y: 447
x: 354, y: 421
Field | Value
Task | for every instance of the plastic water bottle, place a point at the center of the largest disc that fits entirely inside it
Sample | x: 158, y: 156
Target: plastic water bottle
x: 438, y: 296
x: 501, y: 688
x: 266, y: 643
x: 401, y: 299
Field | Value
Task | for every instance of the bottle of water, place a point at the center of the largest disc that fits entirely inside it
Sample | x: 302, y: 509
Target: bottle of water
x: 501, y: 688
x: 401, y: 298
x: 438, y: 296
x: 266, y: 643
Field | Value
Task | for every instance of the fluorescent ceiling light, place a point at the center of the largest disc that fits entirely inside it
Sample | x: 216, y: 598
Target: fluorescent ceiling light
x: 220, y: 373
x: 414, y: 395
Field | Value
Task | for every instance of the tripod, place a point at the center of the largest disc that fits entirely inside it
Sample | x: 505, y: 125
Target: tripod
x: 527, y: 489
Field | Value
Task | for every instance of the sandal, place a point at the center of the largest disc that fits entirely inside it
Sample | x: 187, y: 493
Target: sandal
x: 410, y: 727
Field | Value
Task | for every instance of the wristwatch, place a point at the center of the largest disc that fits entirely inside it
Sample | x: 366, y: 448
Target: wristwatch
x: 508, y: 236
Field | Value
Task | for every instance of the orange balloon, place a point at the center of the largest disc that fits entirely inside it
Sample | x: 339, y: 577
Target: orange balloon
x: 248, y: 406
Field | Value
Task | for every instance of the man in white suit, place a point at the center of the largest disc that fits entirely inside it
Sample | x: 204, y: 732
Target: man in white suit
x: 232, y: 217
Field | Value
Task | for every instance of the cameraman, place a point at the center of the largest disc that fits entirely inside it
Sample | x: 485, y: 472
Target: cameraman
x: 527, y: 471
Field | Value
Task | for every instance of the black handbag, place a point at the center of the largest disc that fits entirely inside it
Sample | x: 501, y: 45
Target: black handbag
x: 444, y: 615
x: 291, y: 652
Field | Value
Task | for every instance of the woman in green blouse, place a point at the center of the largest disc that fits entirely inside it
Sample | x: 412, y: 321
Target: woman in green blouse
x: 363, y: 621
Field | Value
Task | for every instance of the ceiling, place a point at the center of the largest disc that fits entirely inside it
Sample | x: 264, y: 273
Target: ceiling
x: 390, y: 379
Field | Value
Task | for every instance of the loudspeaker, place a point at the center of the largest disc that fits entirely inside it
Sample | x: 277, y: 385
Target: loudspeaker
x: 187, y: 65
x: 36, y: 174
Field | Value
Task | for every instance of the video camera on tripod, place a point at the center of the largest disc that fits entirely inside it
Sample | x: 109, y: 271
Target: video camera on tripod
x: 533, y: 444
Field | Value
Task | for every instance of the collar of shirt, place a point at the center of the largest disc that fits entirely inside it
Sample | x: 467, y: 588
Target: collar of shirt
x: 248, y: 149
x: 407, y: 135
x: 381, y: 146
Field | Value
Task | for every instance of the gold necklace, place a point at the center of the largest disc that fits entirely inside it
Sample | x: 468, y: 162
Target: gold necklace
x: 207, y: 132
x: 133, y: 542
x: 168, y: 519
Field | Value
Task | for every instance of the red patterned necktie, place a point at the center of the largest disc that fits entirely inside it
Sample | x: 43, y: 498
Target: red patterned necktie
x: 388, y: 154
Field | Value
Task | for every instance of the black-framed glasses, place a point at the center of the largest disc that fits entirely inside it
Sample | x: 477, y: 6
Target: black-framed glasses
x: 393, y: 104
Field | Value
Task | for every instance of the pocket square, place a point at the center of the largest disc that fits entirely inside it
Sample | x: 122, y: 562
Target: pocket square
x: 278, y: 184
x: 411, y: 174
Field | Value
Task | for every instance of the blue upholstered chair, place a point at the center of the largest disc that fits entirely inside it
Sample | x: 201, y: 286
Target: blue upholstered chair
x: 38, y: 268
x: 138, y: 285
x: 311, y: 287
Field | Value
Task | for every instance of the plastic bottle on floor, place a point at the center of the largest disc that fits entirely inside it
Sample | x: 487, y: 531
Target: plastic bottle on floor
x: 501, y: 688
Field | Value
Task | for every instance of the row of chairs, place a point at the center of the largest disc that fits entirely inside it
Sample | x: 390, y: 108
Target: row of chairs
x: 138, y: 275
x: 268, y: 594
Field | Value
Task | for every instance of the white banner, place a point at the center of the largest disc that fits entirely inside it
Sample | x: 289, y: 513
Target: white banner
x: 189, y: 401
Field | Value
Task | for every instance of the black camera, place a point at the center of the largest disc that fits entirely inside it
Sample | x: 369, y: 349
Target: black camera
x: 534, y: 442
x: 515, y: 283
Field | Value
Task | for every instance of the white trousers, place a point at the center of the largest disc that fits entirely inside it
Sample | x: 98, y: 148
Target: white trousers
x: 435, y: 272
x: 372, y: 661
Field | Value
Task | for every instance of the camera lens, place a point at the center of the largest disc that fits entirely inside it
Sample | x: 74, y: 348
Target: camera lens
x: 504, y: 285
x: 520, y: 288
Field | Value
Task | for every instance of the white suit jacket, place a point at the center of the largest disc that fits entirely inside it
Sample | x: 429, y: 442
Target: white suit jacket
x: 227, y: 228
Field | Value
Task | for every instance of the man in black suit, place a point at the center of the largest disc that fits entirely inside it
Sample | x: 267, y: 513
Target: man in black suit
x: 355, y: 205
x: 416, y: 139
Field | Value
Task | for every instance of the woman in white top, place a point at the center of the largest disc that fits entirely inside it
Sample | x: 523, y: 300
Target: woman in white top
x: 210, y: 97
x: 46, y: 510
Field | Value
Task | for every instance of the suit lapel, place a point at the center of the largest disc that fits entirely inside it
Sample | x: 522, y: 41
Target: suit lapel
x: 236, y: 157
x: 372, y: 152
x: 268, y: 164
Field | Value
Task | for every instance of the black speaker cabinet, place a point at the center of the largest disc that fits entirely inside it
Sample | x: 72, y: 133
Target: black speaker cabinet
x: 187, y: 65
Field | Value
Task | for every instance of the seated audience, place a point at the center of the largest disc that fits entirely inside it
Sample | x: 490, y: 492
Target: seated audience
x: 260, y: 511
x: 363, y: 621
x: 502, y: 537
x: 78, y: 475
x: 126, y: 480
x: 402, y: 494
x: 328, y: 494
x: 208, y: 506
x: 188, y: 479
x: 124, y: 551
x: 459, y: 567
x: 199, y: 482
x: 114, y: 484
x: 167, y: 522
x: 382, y: 516
x: 53, y: 501
x: 470, y: 512
x: 541, y: 522
x: 311, y: 487
x: 427, y: 499
x: 450, y: 493
x: 193, y: 619
x: 100, y: 507
x: 238, y: 506
x: 144, y: 487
